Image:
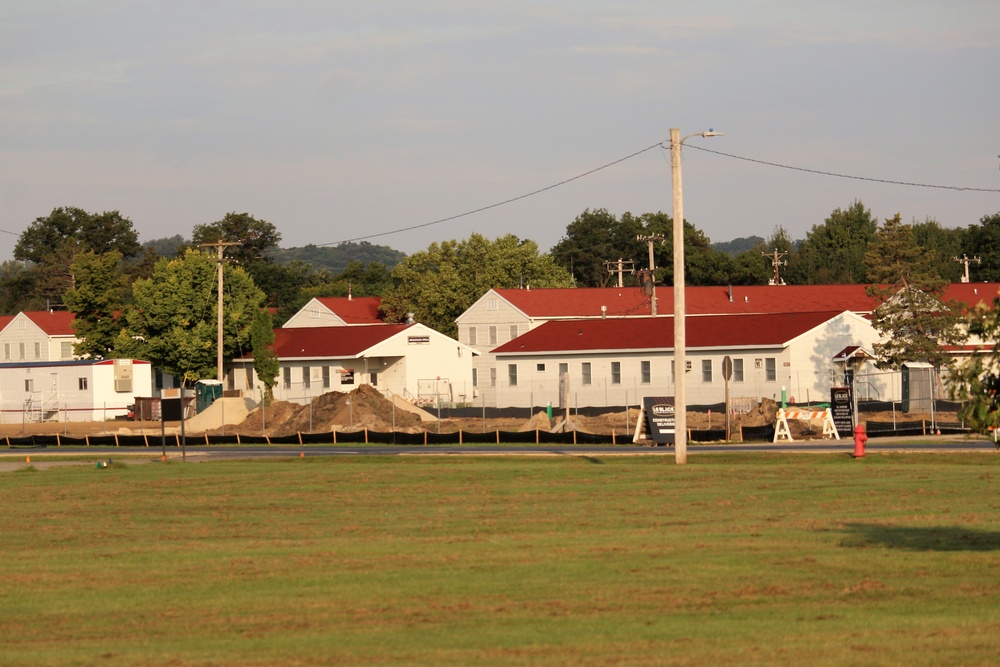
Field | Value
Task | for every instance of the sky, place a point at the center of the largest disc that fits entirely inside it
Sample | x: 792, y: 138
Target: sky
x: 338, y: 120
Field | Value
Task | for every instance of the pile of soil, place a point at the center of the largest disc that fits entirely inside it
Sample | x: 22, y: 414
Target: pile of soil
x: 363, y: 408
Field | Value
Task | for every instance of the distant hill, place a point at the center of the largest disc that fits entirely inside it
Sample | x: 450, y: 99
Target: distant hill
x: 736, y: 246
x: 336, y: 258
x: 330, y: 258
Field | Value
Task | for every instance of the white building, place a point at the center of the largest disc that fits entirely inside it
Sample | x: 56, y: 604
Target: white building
x: 408, y: 360
x: 611, y: 362
x: 75, y: 390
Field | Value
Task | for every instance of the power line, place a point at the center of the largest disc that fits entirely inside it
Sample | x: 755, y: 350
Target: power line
x: 836, y: 175
x: 502, y: 203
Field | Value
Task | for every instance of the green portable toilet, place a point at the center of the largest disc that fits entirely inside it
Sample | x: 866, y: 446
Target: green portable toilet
x: 206, y: 391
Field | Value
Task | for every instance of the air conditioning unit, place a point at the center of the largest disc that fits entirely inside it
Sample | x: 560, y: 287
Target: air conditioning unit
x: 123, y: 375
x: 758, y: 363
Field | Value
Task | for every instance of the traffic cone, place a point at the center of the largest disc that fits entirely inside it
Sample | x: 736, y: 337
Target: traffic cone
x: 302, y: 455
x: 27, y: 460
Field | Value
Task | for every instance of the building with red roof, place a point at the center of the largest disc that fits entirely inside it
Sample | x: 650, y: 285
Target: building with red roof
x: 616, y: 361
x: 408, y: 360
x: 336, y: 311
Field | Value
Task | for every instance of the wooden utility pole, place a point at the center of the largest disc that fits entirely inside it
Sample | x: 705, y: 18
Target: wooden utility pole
x: 220, y: 246
x: 652, y: 276
x: 620, y: 267
x: 966, y: 261
x: 776, y: 263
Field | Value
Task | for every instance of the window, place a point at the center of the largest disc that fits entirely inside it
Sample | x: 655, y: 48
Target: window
x: 20, y: 348
x: 493, y: 336
x: 66, y: 350
x: 706, y: 370
x: 472, y: 335
x: 81, y: 383
x: 314, y: 313
x: 305, y: 377
x: 672, y: 379
x: 645, y: 372
x: 491, y: 304
x: 513, y: 331
x: 286, y: 377
x: 158, y: 382
x: 475, y: 377
x: 326, y: 377
x: 512, y: 375
x: 770, y: 371
x: 737, y: 370
x: 29, y: 385
x: 6, y: 350
x: 585, y: 373
x: 616, y: 372
x: 38, y: 350
x: 540, y: 368
x: 493, y: 377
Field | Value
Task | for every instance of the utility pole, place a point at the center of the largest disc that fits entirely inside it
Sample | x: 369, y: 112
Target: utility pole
x: 966, y: 261
x: 652, y: 276
x: 620, y: 267
x: 776, y: 263
x: 220, y: 246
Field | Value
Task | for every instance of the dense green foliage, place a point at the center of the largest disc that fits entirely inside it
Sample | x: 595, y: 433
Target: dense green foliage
x: 911, y: 319
x: 173, y: 324
x: 337, y: 259
x: 440, y: 283
x: 96, y: 299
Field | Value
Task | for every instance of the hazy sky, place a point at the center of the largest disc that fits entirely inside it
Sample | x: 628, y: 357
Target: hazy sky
x: 336, y: 120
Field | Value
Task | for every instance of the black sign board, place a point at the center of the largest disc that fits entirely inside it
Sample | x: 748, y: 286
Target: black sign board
x: 660, y: 423
x: 842, y: 411
x: 170, y: 409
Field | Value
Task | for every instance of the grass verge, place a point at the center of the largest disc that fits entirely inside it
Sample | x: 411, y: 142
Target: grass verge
x: 732, y: 559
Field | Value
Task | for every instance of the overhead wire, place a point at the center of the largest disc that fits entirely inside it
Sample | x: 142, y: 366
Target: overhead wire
x: 664, y: 145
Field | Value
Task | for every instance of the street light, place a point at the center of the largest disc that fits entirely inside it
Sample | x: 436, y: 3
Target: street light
x: 680, y: 335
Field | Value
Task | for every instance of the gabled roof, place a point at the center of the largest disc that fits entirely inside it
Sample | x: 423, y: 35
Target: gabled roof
x: 52, y: 322
x: 324, y: 342
x: 554, y: 303
x: 657, y: 333
x: 354, y: 310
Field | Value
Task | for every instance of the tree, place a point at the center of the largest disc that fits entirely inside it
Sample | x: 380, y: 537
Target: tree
x: 440, y: 283
x: 594, y: 238
x: 911, y: 318
x: 51, y: 243
x: 942, y: 247
x: 96, y: 299
x: 265, y: 361
x: 833, y: 253
x: 983, y: 241
x: 976, y: 382
x: 172, y: 322
x: 256, y: 238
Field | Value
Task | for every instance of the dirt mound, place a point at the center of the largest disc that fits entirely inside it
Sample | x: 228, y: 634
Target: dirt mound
x: 363, y: 408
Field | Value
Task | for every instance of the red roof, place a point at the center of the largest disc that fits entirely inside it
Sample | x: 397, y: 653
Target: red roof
x: 631, y: 301
x: 331, y: 341
x: 52, y: 322
x: 354, y: 310
x: 657, y: 333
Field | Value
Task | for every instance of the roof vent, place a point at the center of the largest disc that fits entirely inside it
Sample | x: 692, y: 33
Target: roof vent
x: 604, y: 312
x: 746, y: 299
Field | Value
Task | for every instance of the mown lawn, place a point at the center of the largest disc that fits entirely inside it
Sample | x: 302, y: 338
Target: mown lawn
x: 733, y: 559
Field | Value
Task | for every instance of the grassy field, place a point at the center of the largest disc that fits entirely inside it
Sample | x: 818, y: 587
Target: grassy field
x: 732, y: 559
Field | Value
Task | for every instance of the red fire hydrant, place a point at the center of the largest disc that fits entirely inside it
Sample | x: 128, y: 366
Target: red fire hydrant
x: 860, y: 438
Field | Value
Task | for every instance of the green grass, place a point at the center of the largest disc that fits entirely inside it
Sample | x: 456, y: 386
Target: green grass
x: 732, y: 559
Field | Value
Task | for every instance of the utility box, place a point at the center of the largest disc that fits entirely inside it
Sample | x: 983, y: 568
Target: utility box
x: 206, y: 391
x: 918, y: 386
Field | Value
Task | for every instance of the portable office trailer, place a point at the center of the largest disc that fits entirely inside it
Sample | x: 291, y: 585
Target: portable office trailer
x: 74, y: 390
